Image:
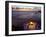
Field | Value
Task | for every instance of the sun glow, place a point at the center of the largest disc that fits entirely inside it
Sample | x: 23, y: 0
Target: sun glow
x: 31, y: 22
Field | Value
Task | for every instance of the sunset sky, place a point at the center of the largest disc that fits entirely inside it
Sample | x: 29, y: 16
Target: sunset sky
x: 25, y: 8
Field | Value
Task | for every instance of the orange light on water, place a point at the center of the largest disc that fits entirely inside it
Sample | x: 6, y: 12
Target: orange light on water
x: 32, y: 25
